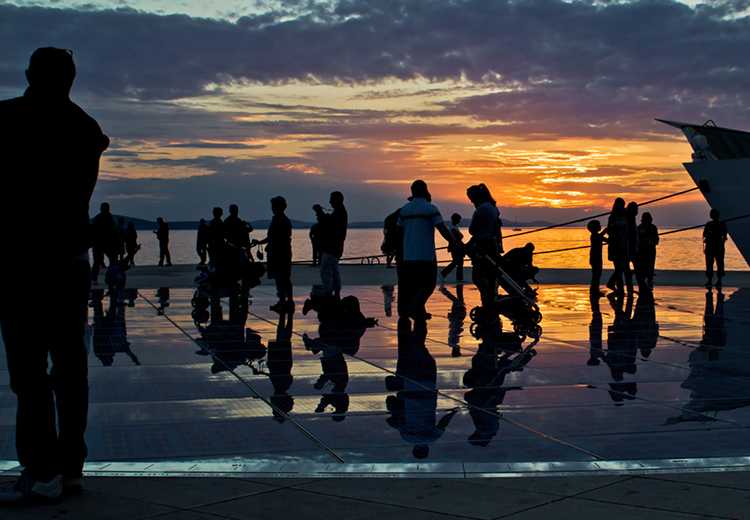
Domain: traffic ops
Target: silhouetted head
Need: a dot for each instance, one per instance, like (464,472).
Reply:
(456,219)
(594,226)
(217,212)
(421,451)
(104,208)
(51,72)
(632,209)
(278,205)
(479,194)
(159,220)
(337,199)
(646,218)
(234,210)
(419,190)
(714,214)
(529,247)
(202,222)
(487,194)
(619,205)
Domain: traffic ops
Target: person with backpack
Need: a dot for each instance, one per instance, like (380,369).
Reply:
(417,272)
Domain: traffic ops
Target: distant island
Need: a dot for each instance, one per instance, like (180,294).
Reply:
(142,224)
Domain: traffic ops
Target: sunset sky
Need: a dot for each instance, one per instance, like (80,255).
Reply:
(551,103)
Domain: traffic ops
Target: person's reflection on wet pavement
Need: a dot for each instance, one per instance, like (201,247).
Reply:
(499,354)
(341,328)
(279,363)
(387,300)
(109,334)
(414,407)
(622,349)
(644,324)
(456,318)
(714,329)
(226,340)
(596,351)
(718,377)
(162,296)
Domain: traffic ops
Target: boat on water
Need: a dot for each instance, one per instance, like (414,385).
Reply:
(721,169)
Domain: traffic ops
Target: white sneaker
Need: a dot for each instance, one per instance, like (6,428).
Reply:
(26,489)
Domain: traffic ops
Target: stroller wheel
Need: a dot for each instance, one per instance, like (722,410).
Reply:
(475,314)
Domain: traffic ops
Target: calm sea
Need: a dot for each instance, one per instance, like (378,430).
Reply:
(677,251)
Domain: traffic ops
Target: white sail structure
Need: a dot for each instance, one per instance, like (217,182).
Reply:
(721,169)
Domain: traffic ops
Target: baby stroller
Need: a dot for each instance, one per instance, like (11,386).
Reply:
(233,267)
(519,306)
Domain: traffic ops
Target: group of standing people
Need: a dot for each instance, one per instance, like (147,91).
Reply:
(631,247)
(116,240)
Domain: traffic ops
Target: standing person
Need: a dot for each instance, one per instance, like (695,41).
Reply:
(596,239)
(162,235)
(714,237)
(121,230)
(631,214)
(648,239)
(617,244)
(417,273)
(215,236)
(315,243)
(103,239)
(131,243)
(485,243)
(50,150)
(201,241)
(236,231)
(457,254)
(332,237)
(279,251)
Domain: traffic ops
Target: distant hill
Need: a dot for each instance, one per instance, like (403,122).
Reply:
(142,224)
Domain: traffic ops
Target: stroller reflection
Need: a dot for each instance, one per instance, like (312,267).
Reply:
(499,354)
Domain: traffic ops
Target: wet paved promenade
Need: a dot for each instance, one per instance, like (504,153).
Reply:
(639,382)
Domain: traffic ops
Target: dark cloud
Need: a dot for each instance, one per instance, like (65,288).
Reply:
(213,145)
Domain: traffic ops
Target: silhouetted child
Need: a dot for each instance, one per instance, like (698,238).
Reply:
(595,253)
(648,238)
(457,253)
(714,236)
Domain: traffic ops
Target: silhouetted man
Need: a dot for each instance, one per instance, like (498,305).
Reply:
(215,236)
(714,237)
(50,150)
(332,237)
(236,231)
(104,239)
(162,235)
(417,274)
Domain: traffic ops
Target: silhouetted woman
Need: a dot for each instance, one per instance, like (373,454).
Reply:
(617,246)
(631,213)
(486,241)
(279,253)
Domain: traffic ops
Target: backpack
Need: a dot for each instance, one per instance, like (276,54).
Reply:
(393,239)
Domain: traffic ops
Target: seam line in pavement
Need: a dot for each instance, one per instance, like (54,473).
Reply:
(301,428)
